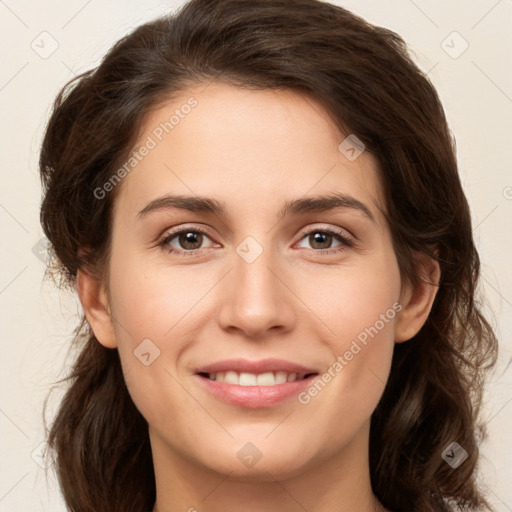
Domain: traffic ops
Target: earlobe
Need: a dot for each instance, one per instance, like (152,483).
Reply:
(417,300)
(93,297)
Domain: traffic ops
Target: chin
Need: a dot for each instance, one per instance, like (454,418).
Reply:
(258,462)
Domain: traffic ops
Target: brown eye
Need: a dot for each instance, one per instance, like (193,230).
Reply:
(190,239)
(321,240)
(184,241)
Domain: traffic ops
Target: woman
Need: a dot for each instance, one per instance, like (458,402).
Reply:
(319,350)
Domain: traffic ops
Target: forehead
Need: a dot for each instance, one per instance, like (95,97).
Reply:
(242,146)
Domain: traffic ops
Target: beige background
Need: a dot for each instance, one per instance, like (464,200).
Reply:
(36,320)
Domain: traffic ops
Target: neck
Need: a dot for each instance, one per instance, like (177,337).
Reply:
(334,482)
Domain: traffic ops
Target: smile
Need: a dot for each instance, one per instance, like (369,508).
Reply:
(252,379)
(254,396)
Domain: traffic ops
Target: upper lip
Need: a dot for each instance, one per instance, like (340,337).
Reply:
(256,367)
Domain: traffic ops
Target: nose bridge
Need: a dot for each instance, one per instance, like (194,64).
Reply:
(257,299)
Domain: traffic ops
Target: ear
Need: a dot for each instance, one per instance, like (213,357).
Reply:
(93,297)
(417,299)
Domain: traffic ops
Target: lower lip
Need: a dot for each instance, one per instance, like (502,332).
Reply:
(255,396)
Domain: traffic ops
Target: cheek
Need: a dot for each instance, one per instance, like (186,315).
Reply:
(152,301)
(360,306)
(146,309)
(149,348)
(350,299)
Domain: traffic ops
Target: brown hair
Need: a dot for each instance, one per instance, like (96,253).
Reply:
(368,83)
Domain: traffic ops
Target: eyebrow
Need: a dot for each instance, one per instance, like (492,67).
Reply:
(298,206)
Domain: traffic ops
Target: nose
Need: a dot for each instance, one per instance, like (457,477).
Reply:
(257,297)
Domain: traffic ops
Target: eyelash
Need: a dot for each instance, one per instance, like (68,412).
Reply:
(339,235)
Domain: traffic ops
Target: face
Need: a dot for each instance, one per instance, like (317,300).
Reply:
(252,319)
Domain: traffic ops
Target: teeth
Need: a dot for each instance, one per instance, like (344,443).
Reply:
(251,379)
(281,377)
(266,379)
(247,379)
(229,377)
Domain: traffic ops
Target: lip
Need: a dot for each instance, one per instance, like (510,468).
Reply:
(256,367)
(254,396)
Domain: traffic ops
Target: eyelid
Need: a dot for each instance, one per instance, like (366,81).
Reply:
(329,228)
(178,229)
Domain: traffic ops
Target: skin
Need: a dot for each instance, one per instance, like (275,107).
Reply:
(254,150)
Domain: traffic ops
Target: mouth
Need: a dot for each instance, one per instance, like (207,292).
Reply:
(253,379)
(254,384)
(253,391)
